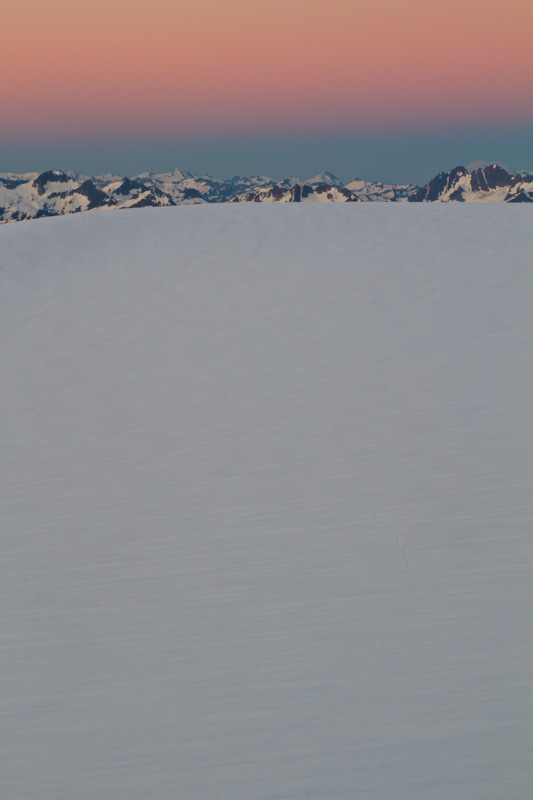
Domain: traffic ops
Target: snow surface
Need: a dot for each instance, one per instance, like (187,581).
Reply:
(266,505)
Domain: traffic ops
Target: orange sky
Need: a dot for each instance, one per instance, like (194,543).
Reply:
(194,66)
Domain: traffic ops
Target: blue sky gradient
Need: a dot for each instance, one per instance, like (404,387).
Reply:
(394,157)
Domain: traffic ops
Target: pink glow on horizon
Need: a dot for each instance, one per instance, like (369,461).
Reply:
(222,66)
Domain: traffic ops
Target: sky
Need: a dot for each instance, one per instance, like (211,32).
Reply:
(392,90)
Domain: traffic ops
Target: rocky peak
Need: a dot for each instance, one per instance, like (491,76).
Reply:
(96,197)
(459,185)
(128,186)
(51,176)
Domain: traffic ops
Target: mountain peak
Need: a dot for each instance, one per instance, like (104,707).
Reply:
(324,178)
(55,192)
(491,183)
(51,176)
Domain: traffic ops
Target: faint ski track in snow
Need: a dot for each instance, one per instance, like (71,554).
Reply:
(398,542)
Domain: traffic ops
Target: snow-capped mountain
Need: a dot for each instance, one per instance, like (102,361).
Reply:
(487,184)
(181,185)
(48,194)
(374,191)
(53,193)
(326,178)
(299,193)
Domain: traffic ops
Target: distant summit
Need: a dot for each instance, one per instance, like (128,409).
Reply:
(324,178)
(491,183)
(54,192)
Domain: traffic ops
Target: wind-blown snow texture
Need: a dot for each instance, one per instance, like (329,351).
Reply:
(266,512)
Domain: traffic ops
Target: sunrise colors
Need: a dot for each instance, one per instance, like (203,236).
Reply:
(237,85)
(231,65)
(267,365)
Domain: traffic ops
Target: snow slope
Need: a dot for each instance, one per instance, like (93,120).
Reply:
(266,505)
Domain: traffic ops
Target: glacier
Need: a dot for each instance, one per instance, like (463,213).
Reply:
(266,505)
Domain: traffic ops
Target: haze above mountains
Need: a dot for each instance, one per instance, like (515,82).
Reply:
(52,193)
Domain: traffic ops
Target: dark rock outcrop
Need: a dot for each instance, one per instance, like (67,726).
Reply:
(95,196)
(52,176)
(192,194)
(128,186)
(452,186)
(521,197)
(152,197)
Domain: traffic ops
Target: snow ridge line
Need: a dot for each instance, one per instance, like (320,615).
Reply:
(398,542)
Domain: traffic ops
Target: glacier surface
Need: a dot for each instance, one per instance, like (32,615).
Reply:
(266,507)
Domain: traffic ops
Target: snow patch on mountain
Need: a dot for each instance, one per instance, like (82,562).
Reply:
(372,192)
(55,193)
(324,178)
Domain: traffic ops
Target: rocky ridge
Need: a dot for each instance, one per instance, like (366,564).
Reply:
(488,184)
(52,193)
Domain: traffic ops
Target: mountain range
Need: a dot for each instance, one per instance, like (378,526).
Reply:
(52,193)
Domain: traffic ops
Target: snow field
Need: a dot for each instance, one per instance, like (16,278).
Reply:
(266,503)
